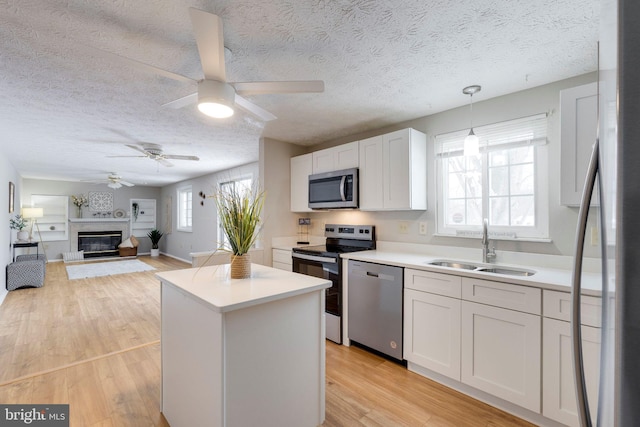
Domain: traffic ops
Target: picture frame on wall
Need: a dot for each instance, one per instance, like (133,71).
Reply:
(12,197)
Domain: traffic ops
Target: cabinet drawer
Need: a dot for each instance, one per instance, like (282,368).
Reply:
(435,283)
(282,256)
(505,295)
(282,266)
(557,305)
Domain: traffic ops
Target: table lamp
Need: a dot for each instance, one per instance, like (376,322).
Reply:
(32,214)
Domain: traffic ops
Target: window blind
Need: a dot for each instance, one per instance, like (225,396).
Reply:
(531,130)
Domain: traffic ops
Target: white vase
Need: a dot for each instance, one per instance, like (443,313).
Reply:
(155,252)
(23,236)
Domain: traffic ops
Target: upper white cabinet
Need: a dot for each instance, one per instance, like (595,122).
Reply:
(301,168)
(578,122)
(393,171)
(343,156)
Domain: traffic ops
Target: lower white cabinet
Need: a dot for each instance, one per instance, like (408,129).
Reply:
(559,395)
(281,258)
(432,332)
(501,353)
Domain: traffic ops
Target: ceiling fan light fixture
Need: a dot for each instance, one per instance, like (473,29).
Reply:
(114,185)
(216,99)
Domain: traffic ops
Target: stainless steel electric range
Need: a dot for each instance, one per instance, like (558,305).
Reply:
(323,261)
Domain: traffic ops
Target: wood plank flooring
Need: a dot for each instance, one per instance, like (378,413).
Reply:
(94,344)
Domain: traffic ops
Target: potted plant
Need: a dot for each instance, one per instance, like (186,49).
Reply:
(155,235)
(239,212)
(19,223)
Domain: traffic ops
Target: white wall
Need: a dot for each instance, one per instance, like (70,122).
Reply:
(562,219)
(275,176)
(121,198)
(7,174)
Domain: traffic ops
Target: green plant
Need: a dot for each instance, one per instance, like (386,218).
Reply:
(17,223)
(239,212)
(155,235)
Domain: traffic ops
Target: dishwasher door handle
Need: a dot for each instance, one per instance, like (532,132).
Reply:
(372,274)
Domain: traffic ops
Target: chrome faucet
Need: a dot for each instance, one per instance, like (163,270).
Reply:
(488,255)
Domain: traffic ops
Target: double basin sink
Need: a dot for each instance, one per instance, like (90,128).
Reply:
(507,271)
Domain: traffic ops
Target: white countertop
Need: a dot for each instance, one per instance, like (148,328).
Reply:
(544,278)
(288,243)
(213,285)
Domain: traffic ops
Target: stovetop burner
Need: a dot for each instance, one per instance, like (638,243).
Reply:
(342,239)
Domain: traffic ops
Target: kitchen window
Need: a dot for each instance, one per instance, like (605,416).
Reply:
(506,183)
(238,185)
(185,208)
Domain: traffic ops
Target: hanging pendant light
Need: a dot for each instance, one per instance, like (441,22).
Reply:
(471,142)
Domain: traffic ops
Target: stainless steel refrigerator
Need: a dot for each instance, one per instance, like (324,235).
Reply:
(617,164)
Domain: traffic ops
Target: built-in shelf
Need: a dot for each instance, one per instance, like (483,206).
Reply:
(98,219)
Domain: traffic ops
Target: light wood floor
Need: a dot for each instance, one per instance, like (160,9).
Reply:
(94,344)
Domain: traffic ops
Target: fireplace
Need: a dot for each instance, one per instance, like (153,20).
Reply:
(99,243)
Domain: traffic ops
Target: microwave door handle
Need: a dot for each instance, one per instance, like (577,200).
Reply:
(342,192)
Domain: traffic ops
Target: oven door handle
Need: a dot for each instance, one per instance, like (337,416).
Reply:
(315,258)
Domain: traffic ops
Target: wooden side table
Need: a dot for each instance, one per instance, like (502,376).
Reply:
(25,245)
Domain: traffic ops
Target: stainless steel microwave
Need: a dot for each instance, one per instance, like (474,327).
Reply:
(334,190)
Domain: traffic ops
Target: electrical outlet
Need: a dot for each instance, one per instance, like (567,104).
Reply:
(422,227)
(595,240)
(403,227)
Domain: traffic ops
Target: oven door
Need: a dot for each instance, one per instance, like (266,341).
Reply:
(327,268)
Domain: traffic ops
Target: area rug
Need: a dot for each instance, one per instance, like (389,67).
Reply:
(108,268)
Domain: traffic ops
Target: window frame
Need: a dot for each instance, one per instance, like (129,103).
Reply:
(540,230)
(180,209)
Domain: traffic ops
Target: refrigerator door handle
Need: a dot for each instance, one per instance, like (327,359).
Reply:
(581,394)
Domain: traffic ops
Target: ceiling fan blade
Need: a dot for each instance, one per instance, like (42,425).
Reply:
(128,184)
(140,65)
(179,157)
(182,102)
(164,162)
(135,147)
(130,157)
(254,109)
(261,88)
(209,38)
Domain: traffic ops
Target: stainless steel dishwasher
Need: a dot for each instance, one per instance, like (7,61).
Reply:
(375,307)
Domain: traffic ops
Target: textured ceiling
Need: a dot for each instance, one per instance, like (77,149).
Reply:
(64,108)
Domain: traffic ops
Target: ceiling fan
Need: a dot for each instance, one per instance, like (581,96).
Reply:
(114,181)
(155,152)
(215,96)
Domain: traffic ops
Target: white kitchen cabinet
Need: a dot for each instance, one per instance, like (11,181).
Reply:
(578,131)
(301,168)
(281,259)
(432,332)
(340,157)
(559,395)
(501,353)
(393,171)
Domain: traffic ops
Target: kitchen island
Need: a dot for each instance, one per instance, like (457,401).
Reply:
(242,352)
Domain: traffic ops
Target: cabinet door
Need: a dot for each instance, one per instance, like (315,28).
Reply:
(578,131)
(501,353)
(396,170)
(371,176)
(301,167)
(281,259)
(345,156)
(404,170)
(340,157)
(432,332)
(559,394)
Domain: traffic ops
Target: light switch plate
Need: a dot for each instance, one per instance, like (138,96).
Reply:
(422,227)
